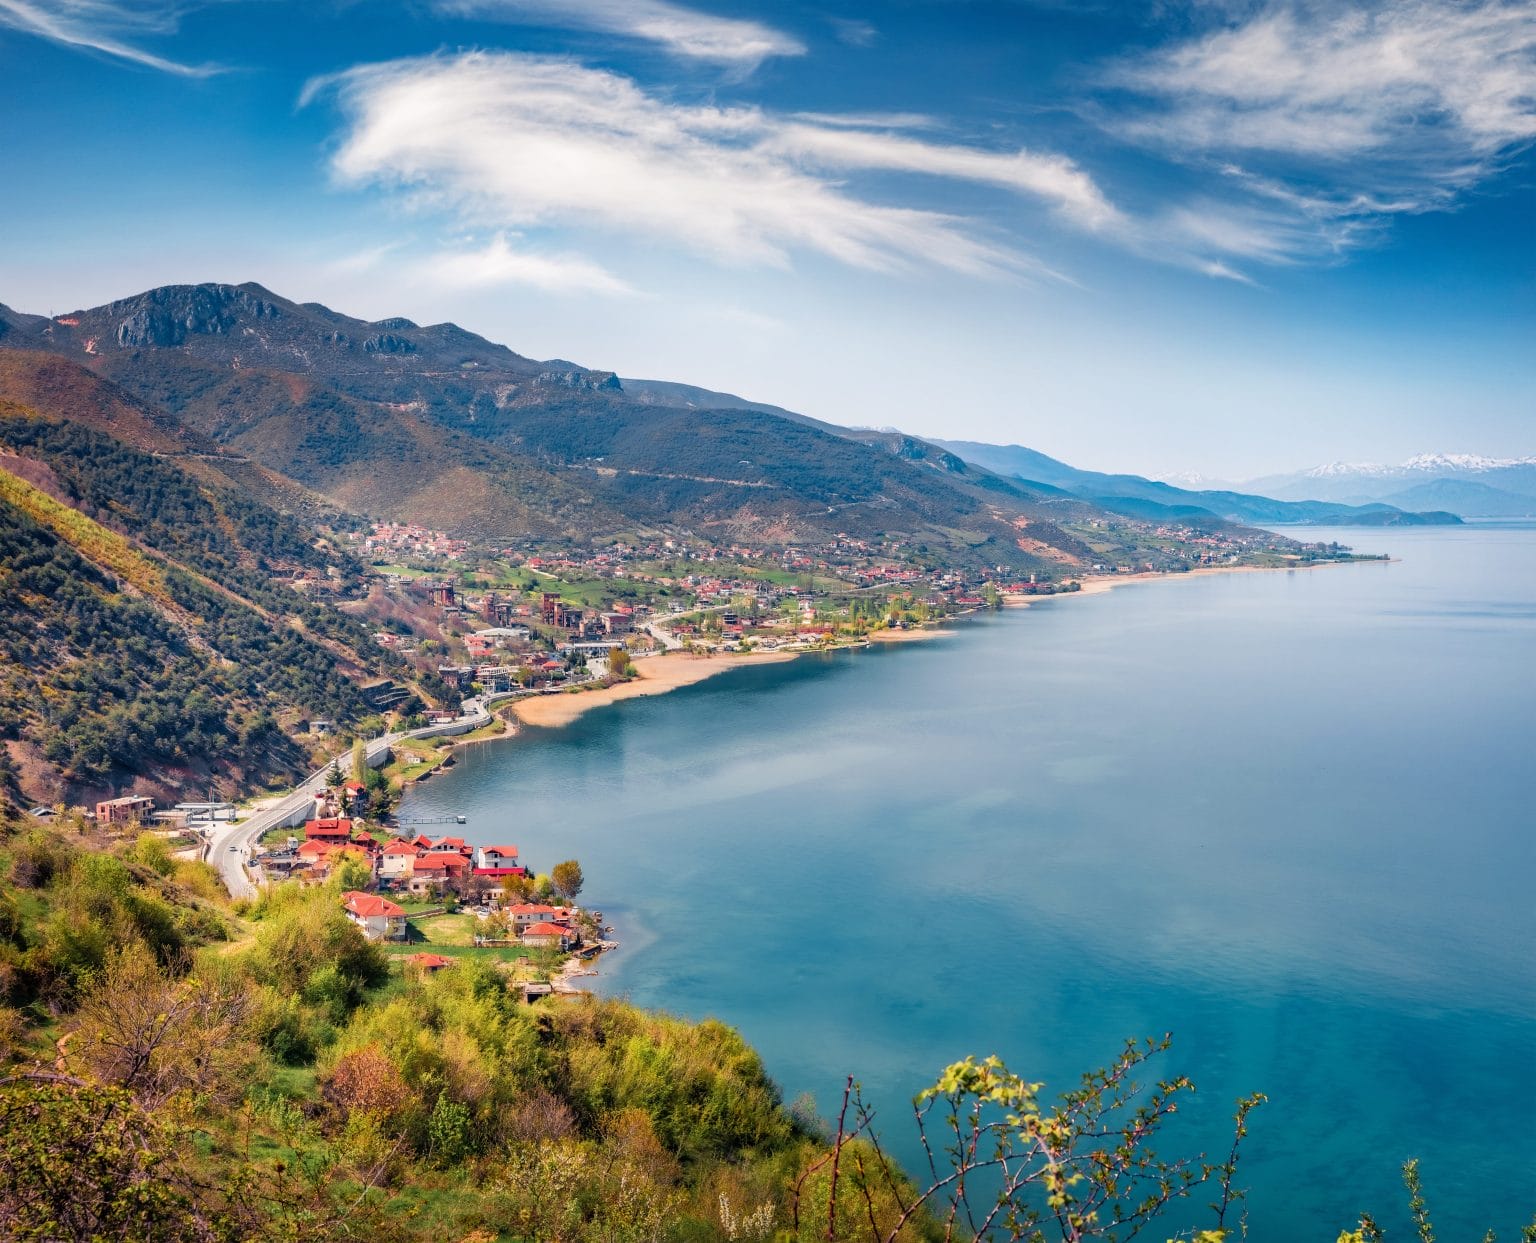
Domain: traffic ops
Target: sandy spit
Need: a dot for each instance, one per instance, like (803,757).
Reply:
(1098,586)
(906,636)
(657,676)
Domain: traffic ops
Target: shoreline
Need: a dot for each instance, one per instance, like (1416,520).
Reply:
(1103,583)
(657,675)
(665,671)
(661,673)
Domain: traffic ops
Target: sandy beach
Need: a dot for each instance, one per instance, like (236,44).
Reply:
(906,636)
(666,672)
(657,676)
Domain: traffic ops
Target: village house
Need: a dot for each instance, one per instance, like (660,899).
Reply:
(427,964)
(545,934)
(494,680)
(125,810)
(316,858)
(328,830)
(379,918)
(497,861)
(397,861)
(441,869)
(523,915)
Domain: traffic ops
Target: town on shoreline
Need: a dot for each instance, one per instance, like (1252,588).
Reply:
(540,642)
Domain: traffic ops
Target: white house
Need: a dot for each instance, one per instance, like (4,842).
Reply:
(496,857)
(379,918)
(396,861)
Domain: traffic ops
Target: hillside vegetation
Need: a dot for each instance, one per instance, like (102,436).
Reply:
(144,627)
(172,1067)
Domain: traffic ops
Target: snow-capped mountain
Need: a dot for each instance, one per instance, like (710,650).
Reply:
(1470,484)
(1419,464)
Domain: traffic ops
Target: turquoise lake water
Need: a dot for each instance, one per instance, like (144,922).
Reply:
(1287,817)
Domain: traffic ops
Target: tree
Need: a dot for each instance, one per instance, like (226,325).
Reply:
(1003,1165)
(360,766)
(155,1036)
(567,879)
(619,663)
(81,1162)
(515,889)
(334,778)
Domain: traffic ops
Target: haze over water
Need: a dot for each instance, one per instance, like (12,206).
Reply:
(1286,817)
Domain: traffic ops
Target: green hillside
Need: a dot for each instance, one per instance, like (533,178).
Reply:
(146,634)
(174,1067)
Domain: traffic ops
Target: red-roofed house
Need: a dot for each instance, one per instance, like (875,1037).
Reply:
(428,963)
(545,934)
(397,861)
(438,867)
(526,914)
(339,830)
(379,918)
(497,858)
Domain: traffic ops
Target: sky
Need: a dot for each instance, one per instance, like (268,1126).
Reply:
(1211,237)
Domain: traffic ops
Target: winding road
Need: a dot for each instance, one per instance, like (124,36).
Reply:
(231,846)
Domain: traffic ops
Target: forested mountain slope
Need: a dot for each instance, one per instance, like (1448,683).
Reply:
(147,634)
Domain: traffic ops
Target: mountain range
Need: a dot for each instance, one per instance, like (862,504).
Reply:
(434,424)
(1470,484)
(1136,496)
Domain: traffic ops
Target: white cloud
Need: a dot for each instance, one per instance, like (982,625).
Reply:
(511,142)
(854,32)
(1438,87)
(681,31)
(1323,121)
(101,26)
(1051,178)
(498,264)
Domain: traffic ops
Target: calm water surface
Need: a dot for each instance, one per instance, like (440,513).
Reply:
(1286,817)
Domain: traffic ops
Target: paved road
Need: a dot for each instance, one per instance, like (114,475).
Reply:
(656,627)
(231,845)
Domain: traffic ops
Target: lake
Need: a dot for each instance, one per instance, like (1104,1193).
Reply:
(1286,817)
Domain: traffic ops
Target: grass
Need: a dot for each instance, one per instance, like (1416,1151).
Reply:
(427,758)
(498,729)
(414,906)
(92,540)
(439,930)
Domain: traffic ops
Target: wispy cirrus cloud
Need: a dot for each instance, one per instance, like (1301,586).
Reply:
(1398,103)
(112,29)
(510,142)
(683,32)
(1325,120)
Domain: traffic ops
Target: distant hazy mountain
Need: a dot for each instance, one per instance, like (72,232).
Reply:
(1464,496)
(1490,483)
(1147,498)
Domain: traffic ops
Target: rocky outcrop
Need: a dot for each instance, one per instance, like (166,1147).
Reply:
(581,381)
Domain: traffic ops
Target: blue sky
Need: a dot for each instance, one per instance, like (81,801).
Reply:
(1223,237)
